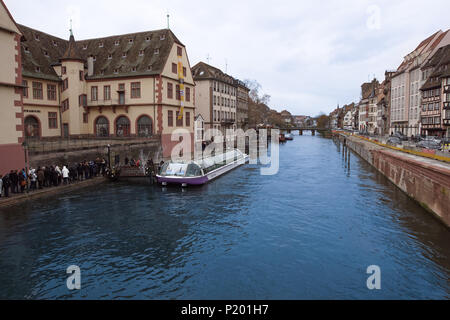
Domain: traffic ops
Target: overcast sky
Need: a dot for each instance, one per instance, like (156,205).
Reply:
(308,55)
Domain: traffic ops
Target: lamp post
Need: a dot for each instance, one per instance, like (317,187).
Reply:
(25,149)
(109,156)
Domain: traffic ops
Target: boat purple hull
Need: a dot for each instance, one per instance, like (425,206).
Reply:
(194,181)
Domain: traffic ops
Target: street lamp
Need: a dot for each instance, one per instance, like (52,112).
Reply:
(109,156)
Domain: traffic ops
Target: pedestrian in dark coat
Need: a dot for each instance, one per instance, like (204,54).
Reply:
(6,185)
(40,177)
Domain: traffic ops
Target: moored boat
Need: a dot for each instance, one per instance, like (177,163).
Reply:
(202,171)
(289,136)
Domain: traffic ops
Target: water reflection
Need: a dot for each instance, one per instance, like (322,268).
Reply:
(308,232)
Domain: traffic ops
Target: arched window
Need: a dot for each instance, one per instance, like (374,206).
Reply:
(144,126)
(32,129)
(102,127)
(122,126)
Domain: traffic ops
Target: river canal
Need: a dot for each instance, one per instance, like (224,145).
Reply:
(309,232)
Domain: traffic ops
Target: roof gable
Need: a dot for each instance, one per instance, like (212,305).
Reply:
(6,20)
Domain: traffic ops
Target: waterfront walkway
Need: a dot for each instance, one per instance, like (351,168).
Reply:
(16,198)
(406,154)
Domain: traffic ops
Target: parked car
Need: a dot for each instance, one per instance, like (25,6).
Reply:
(394,140)
(401,136)
(430,144)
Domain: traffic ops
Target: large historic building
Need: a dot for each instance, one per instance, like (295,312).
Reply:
(216,98)
(120,86)
(12,155)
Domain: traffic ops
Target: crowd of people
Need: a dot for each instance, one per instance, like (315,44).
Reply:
(21,181)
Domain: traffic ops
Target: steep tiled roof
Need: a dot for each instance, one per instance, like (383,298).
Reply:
(72,51)
(135,54)
(425,42)
(40,50)
(204,71)
(441,64)
(143,53)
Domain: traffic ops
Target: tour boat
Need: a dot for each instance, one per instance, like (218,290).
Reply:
(289,136)
(202,171)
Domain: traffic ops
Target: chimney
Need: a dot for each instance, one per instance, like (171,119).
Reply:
(90,62)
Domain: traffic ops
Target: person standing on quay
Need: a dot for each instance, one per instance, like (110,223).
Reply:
(65,175)
(40,177)
(6,185)
(13,178)
(22,182)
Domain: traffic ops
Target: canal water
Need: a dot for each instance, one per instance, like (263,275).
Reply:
(309,232)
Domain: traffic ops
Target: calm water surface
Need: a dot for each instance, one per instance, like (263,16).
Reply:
(309,232)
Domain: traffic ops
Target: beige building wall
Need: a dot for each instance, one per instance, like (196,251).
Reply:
(40,108)
(203,101)
(11,113)
(7,57)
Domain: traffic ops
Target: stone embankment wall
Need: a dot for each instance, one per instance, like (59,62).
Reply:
(425,180)
(43,153)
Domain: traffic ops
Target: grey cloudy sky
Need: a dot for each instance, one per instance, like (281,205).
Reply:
(308,55)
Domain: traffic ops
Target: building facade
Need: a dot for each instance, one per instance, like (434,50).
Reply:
(406,84)
(242,105)
(435,114)
(216,98)
(12,153)
(120,86)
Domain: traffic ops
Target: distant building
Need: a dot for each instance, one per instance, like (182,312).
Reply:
(368,109)
(216,98)
(242,100)
(384,105)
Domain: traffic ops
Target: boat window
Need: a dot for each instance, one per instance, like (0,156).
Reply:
(193,170)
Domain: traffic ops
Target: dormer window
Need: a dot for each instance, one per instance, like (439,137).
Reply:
(116,71)
(130,40)
(100,45)
(109,56)
(95,58)
(149,68)
(38,69)
(133,69)
(141,53)
(156,51)
(84,46)
(27,50)
(55,43)
(162,37)
(124,55)
(46,53)
(116,43)
(36,36)
(147,39)
(102,72)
